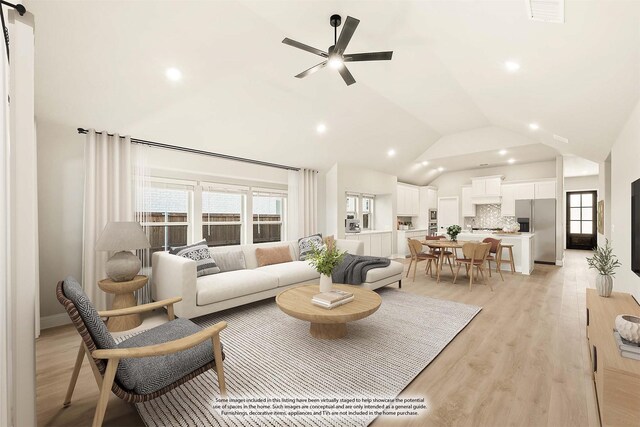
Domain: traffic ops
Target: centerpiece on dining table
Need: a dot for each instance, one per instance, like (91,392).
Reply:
(453,231)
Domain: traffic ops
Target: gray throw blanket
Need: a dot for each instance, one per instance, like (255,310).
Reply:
(354,268)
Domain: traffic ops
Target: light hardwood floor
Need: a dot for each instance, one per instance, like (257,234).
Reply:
(523,361)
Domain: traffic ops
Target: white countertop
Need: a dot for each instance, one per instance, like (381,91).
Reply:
(416,229)
(368,232)
(501,235)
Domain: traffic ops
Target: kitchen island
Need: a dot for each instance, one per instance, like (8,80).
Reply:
(523,248)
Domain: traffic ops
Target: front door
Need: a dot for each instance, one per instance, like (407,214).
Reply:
(581,220)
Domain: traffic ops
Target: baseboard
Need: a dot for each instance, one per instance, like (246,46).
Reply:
(54,320)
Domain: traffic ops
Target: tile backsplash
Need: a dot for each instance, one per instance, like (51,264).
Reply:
(489,216)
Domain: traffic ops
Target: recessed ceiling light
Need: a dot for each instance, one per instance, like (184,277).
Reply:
(440,169)
(502,152)
(321,128)
(391,153)
(512,66)
(173,74)
(511,161)
(534,126)
(335,63)
(425,163)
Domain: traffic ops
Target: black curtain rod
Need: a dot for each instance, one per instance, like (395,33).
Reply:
(202,152)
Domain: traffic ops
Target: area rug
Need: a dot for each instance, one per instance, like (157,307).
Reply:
(278,375)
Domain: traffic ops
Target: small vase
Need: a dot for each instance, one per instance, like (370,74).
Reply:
(628,327)
(454,237)
(325,283)
(604,285)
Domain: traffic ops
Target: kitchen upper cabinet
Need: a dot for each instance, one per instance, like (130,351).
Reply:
(545,190)
(486,186)
(524,191)
(428,199)
(468,207)
(408,200)
(508,206)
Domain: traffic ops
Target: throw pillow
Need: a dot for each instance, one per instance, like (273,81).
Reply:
(273,255)
(199,252)
(230,261)
(306,245)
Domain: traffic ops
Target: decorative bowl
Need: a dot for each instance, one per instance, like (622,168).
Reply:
(628,327)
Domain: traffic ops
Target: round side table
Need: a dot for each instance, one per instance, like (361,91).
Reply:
(123,298)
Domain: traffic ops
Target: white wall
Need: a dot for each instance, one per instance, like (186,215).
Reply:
(60,198)
(604,193)
(625,158)
(580,183)
(342,178)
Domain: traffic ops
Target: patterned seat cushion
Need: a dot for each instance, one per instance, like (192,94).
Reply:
(149,374)
(94,324)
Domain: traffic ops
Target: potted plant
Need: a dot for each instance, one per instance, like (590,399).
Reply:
(605,262)
(324,259)
(453,231)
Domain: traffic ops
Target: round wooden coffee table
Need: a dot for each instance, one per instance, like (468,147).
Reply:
(325,323)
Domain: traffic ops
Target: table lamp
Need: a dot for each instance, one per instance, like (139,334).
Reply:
(122,237)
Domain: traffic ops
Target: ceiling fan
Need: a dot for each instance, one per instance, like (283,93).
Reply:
(335,56)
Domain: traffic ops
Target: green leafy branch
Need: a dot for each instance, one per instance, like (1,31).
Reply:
(325,259)
(604,260)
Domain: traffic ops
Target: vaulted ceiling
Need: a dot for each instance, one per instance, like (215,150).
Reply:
(102,64)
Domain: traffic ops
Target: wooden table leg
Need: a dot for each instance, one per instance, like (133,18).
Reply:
(440,261)
(328,331)
(124,323)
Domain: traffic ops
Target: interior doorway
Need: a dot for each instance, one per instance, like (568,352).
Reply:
(581,220)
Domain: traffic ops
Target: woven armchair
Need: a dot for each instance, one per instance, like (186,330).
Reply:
(146,365)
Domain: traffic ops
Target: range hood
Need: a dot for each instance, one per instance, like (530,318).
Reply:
(486,200)
(486,190)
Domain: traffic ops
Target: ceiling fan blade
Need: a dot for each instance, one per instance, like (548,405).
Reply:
(312,70)
(305,47)
(345,35)
(369,56)
(346,75)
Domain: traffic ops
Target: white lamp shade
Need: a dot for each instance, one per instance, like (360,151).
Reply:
(122,236)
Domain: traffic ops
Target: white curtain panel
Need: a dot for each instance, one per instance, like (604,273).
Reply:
(303,203)
(108,196)
(142,183)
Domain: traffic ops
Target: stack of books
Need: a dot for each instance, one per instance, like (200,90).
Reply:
(332,298)
(627,348)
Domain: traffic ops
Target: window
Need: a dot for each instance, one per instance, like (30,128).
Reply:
(367,212)
(268,217)
(361,207)
(352,206)
(222,218)
(581,213)
(165,212)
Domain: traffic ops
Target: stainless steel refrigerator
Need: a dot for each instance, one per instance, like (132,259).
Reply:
(539,217)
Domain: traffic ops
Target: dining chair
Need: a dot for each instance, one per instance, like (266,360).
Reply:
(474,255)
(144,366)
(494,254)
(449,255)
(415,248)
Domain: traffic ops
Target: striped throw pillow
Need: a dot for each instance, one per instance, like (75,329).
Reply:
(199,252)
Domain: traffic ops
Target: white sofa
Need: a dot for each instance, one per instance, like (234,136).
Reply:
(174,275)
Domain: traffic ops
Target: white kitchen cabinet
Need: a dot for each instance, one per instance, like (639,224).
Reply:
(376,243)
(545,190)
(408,200)
(488,186)
(524,191)
(468,207)
(508,206)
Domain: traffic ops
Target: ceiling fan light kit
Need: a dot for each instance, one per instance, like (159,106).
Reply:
(335,55)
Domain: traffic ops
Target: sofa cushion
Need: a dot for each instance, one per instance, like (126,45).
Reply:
(306,245)
(149,374)
(232,284)
(274,255)
(291,272)
(199,252)
(230,261)
(376,274)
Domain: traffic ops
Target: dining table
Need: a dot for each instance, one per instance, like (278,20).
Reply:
(440,246)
